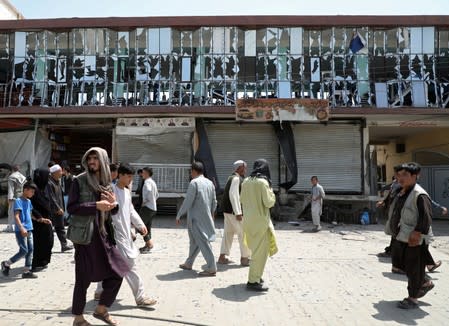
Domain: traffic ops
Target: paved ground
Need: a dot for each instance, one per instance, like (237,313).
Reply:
(327,278)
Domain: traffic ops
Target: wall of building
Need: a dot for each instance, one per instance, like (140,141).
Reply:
(433,145)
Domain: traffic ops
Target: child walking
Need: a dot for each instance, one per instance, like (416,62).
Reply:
(24,231)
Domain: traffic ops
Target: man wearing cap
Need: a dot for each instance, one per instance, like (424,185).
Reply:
(232,211)
(57,205)
(409,223)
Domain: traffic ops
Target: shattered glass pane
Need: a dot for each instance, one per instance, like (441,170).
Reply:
(123,43)
(51,43)
(284,41)
(443,42)
(186,42)
(218,41)
(416,67)
(78,38)
(4,46)
(206,39)
(218,65)
(260,68)
(314,42)
(271,67)
(326,41)
(404,66)
(232,67)
(90,41)
(379,43)
(339,41)
(272,40)
(141,41)
(62,43)
(261,41)
(403,37)
(112,40)
(391,41)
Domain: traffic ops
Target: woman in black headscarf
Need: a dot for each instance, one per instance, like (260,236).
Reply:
(42,228)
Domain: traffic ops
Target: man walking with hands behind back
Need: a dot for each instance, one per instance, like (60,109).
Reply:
(317,203)
(200,204)
(232,210)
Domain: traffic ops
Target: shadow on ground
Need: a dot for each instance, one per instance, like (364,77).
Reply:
(235,292)
(388,311)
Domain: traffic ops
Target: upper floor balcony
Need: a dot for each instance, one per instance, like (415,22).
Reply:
(353,66)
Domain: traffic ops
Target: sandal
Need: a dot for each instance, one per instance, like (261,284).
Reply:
(146,302)
(105,317)
(407,303)
(424,289)
(207,273)
(434,267)
(225,261)
(185,267)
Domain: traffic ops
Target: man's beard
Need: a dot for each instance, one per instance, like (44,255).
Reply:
(92,169)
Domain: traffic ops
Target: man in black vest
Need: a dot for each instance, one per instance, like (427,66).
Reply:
(233,216)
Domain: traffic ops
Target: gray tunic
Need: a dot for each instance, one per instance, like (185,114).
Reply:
(200,203)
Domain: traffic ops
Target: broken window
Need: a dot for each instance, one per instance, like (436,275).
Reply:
(443,42)
(339,41)
(284,41)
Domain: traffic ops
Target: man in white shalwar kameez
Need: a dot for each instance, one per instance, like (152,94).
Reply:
(317,203)
(233,216)
(199,205)
(122,221)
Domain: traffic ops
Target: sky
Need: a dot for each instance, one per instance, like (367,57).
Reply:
(128,8)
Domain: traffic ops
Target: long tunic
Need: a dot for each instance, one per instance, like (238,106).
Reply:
(257,198)
(122,221)
(99,259)
(199,205)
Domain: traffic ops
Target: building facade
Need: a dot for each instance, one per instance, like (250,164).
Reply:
(386,79)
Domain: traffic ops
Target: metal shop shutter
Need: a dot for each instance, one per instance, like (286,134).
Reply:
(332,152)
(167,148)
(248,142)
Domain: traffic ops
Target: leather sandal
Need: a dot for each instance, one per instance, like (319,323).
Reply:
(207,273)
(105,317)
(185,267)
(81,323)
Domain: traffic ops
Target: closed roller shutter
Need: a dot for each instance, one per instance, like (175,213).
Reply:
(231,141)
(166,148)
(332,152)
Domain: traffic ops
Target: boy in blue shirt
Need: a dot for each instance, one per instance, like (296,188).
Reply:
(24,231)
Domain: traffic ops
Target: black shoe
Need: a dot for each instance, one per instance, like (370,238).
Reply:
(145,250)
(5,269)
(256,287)
(66,248)
(383,254)
(29,274)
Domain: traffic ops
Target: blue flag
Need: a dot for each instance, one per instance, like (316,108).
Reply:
(356,44)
